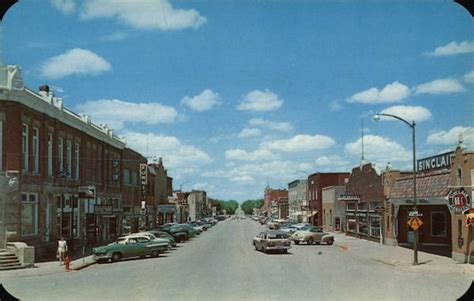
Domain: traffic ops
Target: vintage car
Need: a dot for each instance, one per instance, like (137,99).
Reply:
(178,234)
(312,235)
(164,235)
(129,246)
(153,237)
(272,241)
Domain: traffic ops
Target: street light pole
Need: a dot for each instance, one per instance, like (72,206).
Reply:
(412,125)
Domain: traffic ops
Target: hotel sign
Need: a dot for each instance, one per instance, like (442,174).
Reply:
(435,162)
(459,201)
(143,180)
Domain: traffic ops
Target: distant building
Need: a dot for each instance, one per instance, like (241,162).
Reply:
(271,199)
(333,209)
(297,200)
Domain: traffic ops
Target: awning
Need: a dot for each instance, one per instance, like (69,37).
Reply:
(311,214)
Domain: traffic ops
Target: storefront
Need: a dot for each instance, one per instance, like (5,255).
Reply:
(363,199)
(432,185)
(167,214)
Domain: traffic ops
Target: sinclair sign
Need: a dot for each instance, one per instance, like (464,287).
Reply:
(435,162)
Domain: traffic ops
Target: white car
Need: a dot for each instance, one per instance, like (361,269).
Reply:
(313,235)
(153,238)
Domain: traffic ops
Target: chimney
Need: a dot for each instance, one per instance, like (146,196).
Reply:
(44,88)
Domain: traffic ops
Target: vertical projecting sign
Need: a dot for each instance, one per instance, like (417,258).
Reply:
(143,183)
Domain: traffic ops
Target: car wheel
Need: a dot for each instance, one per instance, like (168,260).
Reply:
(155,253)
(330,242)
(297,242)
(310,241)
(284,251)
(116,257)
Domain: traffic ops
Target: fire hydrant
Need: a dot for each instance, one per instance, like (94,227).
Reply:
(67,262)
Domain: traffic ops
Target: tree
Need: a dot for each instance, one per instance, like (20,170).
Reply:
(249,205)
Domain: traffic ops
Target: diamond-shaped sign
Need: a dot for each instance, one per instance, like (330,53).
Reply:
(415,222)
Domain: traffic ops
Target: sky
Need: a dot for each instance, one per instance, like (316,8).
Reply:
(235,95)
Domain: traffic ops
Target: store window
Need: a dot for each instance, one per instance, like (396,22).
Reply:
(363,227)
(29,214)
(351,225)
(350,206)
(438,224)
(375,226)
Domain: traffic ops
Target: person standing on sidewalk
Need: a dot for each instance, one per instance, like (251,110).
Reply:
(62,249)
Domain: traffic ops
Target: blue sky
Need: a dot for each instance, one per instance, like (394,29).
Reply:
(235,94)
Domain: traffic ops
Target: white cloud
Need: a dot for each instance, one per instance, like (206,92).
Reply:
(175,154)
(116,36)
(278,126)
(331,161)
(202,102)
(248,132)
(115,112)
(245,179)
(335,106)
(451,137)
(440,86)
(469,77)
(75,61)
(144,14)
(394,92)
(454,48)
(64,6)
(300,143)
(243,155)
(260,101)
(409,113)
(378,150)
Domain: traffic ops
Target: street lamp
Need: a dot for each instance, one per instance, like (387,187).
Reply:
(181,185)
(415,208)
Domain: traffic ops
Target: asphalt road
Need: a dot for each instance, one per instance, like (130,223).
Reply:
(222,264)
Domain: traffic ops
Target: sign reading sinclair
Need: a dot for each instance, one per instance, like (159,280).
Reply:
(435,162)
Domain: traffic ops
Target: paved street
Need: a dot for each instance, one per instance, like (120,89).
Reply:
(222,264)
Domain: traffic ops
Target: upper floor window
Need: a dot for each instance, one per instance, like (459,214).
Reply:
(1,145)
(61,154)
(69,158)
(459,177)
(35,150)
(50,154)
(134,178)
(126,176)
(76,161)
(24,147)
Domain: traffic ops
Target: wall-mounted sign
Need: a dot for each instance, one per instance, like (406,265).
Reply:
(143,181)
(435,162)
(103,209)
(459,201)
(349,197)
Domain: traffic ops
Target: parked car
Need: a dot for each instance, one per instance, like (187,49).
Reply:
(288,228)
(153,237)
(197,226)
(272,224)
(129,246)
(190,230)
(272,241)
(302,226)
(164,235)
(178,234)
(313,235)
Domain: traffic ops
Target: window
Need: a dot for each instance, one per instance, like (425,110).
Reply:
(29,214)
(76,226)
(35,151)
(126,176)
(24,147)
(69,158)
(438,224)
(50,154)
(61,154)
(76,161)
(134,178)
(459,177)
(1,145)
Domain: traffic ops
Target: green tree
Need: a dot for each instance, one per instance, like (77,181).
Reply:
(249,205)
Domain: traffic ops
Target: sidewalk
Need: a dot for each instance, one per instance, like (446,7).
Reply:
(49,268)
(399,257)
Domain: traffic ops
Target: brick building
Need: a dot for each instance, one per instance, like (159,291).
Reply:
(271,200)
(55,153)
(316,182)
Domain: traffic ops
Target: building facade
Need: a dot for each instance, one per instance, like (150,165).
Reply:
(333,210)
(297,200)
(364,198)
(316,183)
